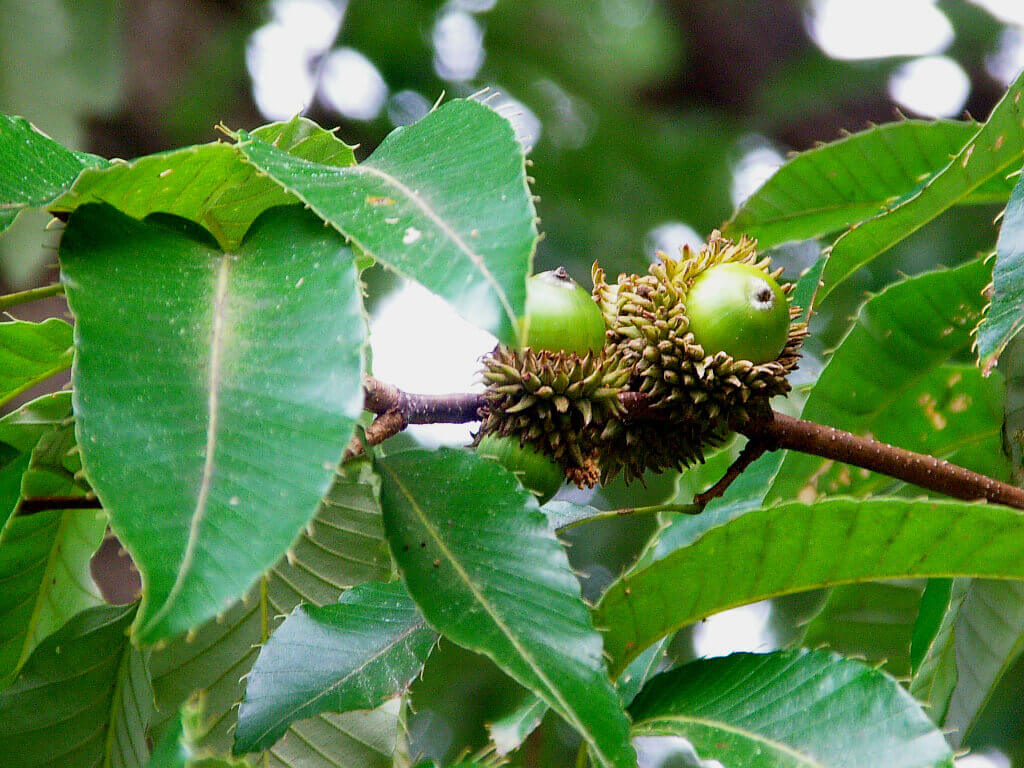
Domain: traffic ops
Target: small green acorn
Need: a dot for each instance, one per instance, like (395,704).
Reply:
(538,473)
(561,316)
(708,338)
(738,309)
(555,394)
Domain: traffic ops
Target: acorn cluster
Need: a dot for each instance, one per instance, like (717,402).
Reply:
(702,342)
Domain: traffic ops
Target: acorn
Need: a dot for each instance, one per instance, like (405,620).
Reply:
(738,309)
(560,315)
(538,473)
(558,393)
(708,339)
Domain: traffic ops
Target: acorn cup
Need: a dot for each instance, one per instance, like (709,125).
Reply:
(556,395)
(557,402)
(707,340)
(705,371)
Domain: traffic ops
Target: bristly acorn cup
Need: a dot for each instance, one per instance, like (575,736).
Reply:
(707,339)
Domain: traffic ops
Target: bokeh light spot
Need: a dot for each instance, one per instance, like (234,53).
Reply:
(458,46)
(351,85)
(933,86)
(871,29)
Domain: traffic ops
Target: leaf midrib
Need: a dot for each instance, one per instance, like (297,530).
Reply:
(718,725)
(567,711)
(212,422)
(348,676)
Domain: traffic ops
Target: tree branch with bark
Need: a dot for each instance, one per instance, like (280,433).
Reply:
(396,409)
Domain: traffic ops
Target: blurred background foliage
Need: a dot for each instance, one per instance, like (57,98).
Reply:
(646,122)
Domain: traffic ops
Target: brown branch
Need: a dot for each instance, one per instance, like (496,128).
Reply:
(751,452)
(457,408)
(779,431)
(918,469)
(396,409)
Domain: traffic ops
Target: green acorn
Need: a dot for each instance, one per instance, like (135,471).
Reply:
(558,393)
(560,315)
(535,471)
(738,309)
(697,395)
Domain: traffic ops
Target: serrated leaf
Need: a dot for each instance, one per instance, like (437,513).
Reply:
(44,565)
(509,731)
(443,202)
(979,638)
(214,394)
(1004,319)
(82,700)
(905,396)
(301,137)
(853,540)
(21,429)
(639,671)
(34,169)
(356,654)
(873,621)
(31,353)
(209,184)
(996,149)
(343,546)
(483,565)
(792,709)
(181,746)
(44,557)
(846,181)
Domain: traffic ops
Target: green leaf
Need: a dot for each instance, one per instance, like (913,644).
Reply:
(214,394)
(996,149)
(83,698)
(935,677)
(305,139)
(980,637)
(34,169)
(181,746)
(1004,317)
(485,568)
(22,429)
(443,202)
(905,396)
(31,353)
(355,654)
(44,557)
(1011,366)
(850,180)
(852,541)
(342,546)
(806,709)
(930,615)
(639,671)
(874,621)
(209,184)
(509,731)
